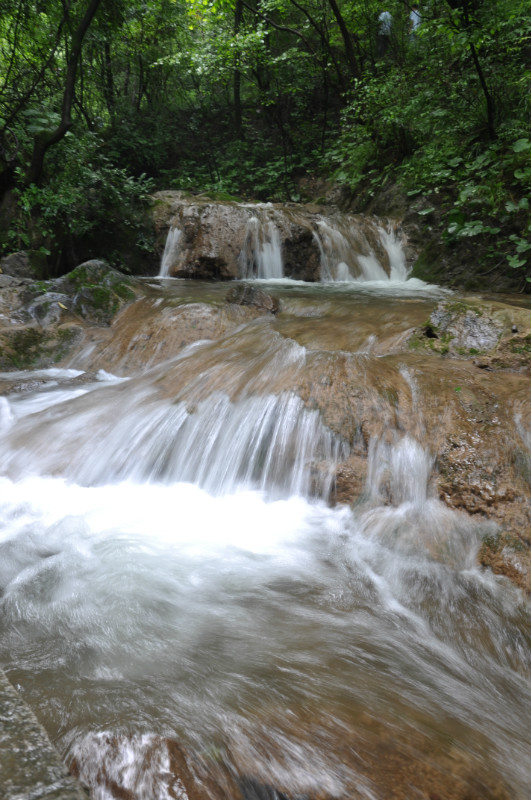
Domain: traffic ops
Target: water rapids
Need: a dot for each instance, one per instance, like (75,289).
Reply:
(174,580)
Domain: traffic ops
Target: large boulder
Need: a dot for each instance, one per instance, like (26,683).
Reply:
(209,240)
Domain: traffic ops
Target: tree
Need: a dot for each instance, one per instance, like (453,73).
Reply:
(73,44)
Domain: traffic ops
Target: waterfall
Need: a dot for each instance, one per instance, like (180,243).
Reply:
(171,251)
(251,241)
(399,471)
(261,255)
(395,253)
(349,251)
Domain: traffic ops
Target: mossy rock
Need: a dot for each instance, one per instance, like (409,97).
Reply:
(96,291)
(470,327)
(34,347)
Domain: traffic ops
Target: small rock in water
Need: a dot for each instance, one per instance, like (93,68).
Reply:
(246,295)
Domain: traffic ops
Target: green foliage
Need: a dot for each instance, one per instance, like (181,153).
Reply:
(244,100)
(83,192)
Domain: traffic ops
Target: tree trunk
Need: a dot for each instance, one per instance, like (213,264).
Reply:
(237,78)
(347,40)
(46,139)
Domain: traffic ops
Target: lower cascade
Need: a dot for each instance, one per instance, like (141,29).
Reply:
(237,559)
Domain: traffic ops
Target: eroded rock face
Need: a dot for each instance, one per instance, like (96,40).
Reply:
(203,239)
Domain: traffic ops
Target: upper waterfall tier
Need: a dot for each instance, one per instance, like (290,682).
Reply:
(207,239)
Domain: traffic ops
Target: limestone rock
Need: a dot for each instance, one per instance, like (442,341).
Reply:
(497,335)
(216,238)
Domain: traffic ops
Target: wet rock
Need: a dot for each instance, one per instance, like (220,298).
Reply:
(17,265)
(40,322)
(252,789)
(247,295)
(506,554)
(145,334)
(466,328)
(336,760)
(97,291)
(135,767)
(206,268)
(302,260)
(21,348)
(221,241)
(29,765)
(50,308)
(8,280)
(495,335)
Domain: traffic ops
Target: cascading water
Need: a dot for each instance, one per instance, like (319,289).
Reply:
(261,255)
(349,252)
(192,617)
(255,238)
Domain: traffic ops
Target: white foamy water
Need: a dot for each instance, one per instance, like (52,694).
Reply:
(261,255)
(172,610)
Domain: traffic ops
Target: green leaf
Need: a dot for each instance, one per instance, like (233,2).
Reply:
(515,262)
(425,211)
(521,145)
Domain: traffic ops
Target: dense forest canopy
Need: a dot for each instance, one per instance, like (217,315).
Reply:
(103,101)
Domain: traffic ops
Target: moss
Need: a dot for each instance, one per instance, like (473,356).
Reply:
(23,348)
(65,337)
(520,345)
(222,197)
(389,394)
(495,543)
(416,343)
(462,307)
(98,290)
(430,341)
(34,347)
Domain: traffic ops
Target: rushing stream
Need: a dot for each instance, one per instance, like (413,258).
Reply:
(175,580)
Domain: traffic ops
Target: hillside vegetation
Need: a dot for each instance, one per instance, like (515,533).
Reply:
(102,103)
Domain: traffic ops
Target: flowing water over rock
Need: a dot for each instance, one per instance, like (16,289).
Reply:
(227,569)
(208,239)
